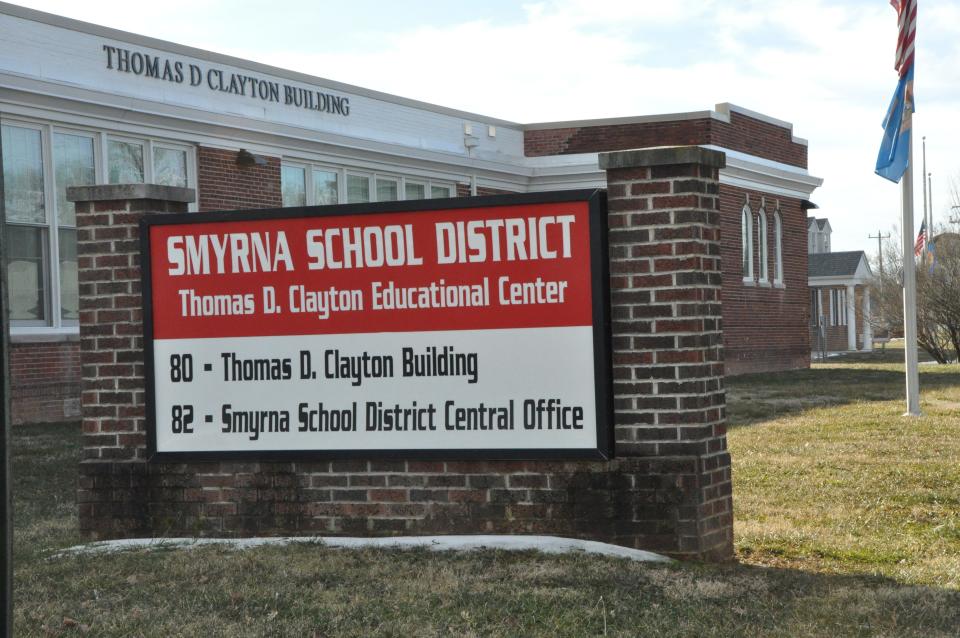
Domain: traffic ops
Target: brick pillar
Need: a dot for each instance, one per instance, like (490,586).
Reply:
(664,225)
(111,347)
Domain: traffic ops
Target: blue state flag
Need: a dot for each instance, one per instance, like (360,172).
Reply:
(895,148)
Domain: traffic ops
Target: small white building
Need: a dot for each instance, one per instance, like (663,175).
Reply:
(839,285)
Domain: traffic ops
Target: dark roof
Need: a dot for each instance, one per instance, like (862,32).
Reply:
(843,264)
(821,222)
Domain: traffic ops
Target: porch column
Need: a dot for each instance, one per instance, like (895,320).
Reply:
(867,326)
(851,318)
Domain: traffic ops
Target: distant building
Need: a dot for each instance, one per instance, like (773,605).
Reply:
(839,293)
(818,235)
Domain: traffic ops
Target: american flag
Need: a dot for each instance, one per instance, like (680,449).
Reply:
(921,240)
(907,22)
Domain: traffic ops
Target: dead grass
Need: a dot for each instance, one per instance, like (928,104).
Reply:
(846,526)
(850,486)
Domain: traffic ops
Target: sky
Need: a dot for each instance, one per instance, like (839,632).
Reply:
(824,65)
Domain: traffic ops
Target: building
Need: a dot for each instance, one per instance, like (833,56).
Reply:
(839,293)
(84,104)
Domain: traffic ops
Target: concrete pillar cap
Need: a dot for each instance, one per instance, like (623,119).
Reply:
(114,192)
(663,156)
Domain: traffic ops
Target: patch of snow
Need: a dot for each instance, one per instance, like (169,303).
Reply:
(545,544)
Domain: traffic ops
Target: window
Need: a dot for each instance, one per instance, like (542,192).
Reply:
(74,164)
(293,186)
(147,161)
(358,188)
(304,184)
(439,192)
(388,189)
(777,248)
(125,162)
(814,306)
(40,162)
(169,166)
(30,226)
(746,236)
(413,190)
(838,307)
(325,187)
(762,246)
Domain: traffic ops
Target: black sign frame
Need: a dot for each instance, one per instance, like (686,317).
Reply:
(596,200)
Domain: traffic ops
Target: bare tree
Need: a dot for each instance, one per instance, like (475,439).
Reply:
(938,296)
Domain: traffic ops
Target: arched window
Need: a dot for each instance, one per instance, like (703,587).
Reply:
(746,236)
(777,248)
(762,246)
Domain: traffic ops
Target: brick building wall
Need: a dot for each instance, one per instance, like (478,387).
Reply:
(44,382)
(765,326)
(742,133)
(225,185)
(668,489)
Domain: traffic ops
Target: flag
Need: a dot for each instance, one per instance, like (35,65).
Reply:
(906,32)
(895,146)
(931,251)
(921,240)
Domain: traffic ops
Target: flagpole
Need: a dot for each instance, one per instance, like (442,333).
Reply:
(909,282)
(924,180)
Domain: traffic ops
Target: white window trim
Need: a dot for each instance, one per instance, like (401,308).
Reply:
(746,243)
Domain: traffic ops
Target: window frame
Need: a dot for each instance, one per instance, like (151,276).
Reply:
(371,185)
(343,173)
(322,168)
(307,181)
(746,243)
(54,326)
(777,248)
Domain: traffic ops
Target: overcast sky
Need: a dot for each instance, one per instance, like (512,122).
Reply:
(824,65)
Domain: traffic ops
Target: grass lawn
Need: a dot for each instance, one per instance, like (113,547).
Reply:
(847,524)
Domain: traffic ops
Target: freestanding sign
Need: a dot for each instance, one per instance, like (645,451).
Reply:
(428,329)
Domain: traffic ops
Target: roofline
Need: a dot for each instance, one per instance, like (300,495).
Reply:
(721,111)
(726,108)
(630,119)
(221,58)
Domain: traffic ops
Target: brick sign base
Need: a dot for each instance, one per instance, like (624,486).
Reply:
(667,490)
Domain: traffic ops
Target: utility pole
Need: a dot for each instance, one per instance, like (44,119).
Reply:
(880,237)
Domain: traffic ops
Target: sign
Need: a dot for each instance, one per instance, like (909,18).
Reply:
(454,328)
(215,79)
